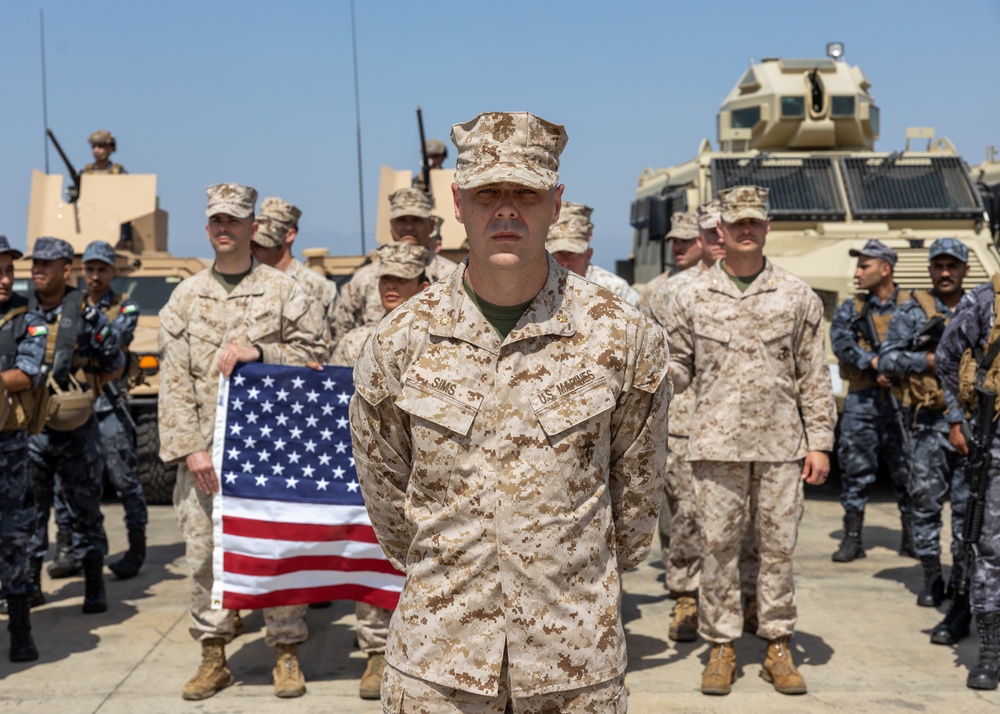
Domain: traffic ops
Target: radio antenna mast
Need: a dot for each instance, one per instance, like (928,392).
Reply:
(45,93)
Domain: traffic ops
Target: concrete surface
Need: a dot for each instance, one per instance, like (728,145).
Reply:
(862,642)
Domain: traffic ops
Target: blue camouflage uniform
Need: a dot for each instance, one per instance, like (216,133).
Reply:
(868,425)
(71,460)
(938,470)
(970,328)
(22,346)
(116,426)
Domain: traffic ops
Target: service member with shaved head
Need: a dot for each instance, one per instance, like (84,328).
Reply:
(508,430)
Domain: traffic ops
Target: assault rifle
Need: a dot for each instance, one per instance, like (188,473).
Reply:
(74,191)
(871,334)
(978,475)
(930,335)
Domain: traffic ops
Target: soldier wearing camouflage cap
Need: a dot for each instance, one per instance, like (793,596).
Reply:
(102,145)
(411,220)
(65,454)
(935,419)
(869,429)
(238,310)
(479,406)
(277,228)
(569,242)
(750,330)
(436,152)
(680,541)
(23,336)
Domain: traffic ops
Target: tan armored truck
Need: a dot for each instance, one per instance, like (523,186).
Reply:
(806,129)
(122,210)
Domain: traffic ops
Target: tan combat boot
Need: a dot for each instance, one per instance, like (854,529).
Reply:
(720,673)
(212,674)
(684,626)
(371,680)
(780,670)
(288,678)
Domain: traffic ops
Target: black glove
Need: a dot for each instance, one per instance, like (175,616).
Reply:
(91,315)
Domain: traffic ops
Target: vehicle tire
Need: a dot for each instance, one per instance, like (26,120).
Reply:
(157,478)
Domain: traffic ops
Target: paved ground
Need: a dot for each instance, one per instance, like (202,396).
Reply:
(862,643)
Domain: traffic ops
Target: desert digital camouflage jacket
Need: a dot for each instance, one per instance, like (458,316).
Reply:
(267,308)
(359,301)
(615,283)
(318,288)
(750,351)
(656,304)
(512,480)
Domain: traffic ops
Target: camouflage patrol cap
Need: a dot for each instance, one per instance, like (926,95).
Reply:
(577,210)
(281,211)
(571,233)
(102,137)
(708,215)
(5,248)
(47,248)
(410,202)
(948,246)
(271,233)
(435,147)
(99,250)
(232,199)
(741,202)
(402,260)
(875,249)
(683,226)
(513,147)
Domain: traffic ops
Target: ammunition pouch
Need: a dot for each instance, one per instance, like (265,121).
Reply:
(68,408)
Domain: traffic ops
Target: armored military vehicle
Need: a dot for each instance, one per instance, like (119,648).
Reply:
(806,129)
(122,210)
(452,232)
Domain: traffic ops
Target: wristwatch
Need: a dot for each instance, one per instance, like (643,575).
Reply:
(260,354)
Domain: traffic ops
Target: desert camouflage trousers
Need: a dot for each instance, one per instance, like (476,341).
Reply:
(285,625)
(17,513)
(404,694)
(373,627)
(734,498)
(679,541)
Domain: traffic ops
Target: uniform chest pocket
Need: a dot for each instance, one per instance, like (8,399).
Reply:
(560,408)
(777,339)
(440,427)
(265,327)
(712,333)
(206,341)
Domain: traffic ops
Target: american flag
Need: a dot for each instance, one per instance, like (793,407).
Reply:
(290,523)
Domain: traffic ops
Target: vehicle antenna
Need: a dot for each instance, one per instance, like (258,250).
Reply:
(357,119)
(45,94)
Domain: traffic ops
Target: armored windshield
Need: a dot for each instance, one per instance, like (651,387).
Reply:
(802,189)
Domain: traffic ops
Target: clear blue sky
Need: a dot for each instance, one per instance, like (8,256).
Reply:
(262,92)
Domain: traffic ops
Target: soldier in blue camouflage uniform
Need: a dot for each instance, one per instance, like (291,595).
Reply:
(22,349)
(938,470)
(974,327)
(62,456)
(868,424)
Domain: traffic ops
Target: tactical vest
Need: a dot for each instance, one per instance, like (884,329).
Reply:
(12,326)
(859,379)
(131,369)
(24,404)
(923,390)
(111,169)
(61,358)
(979,366)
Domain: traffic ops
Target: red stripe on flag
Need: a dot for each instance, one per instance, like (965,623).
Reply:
(302,532)
(304,596)
(249,565)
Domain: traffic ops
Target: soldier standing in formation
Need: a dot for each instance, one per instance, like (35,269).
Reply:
(938,470)
(437,152)
(400,277)
(22,351)
(510,450)
(763,424)
(966,358)
(869,425)
(411,220)
(65,455)
(569,242)
(113,417)
(236,311)
(102,145)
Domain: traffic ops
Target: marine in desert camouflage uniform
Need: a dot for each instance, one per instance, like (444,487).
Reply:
(411,220)
(508,431)
(236,311)
(762,424)
(570,240)
(401,276)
